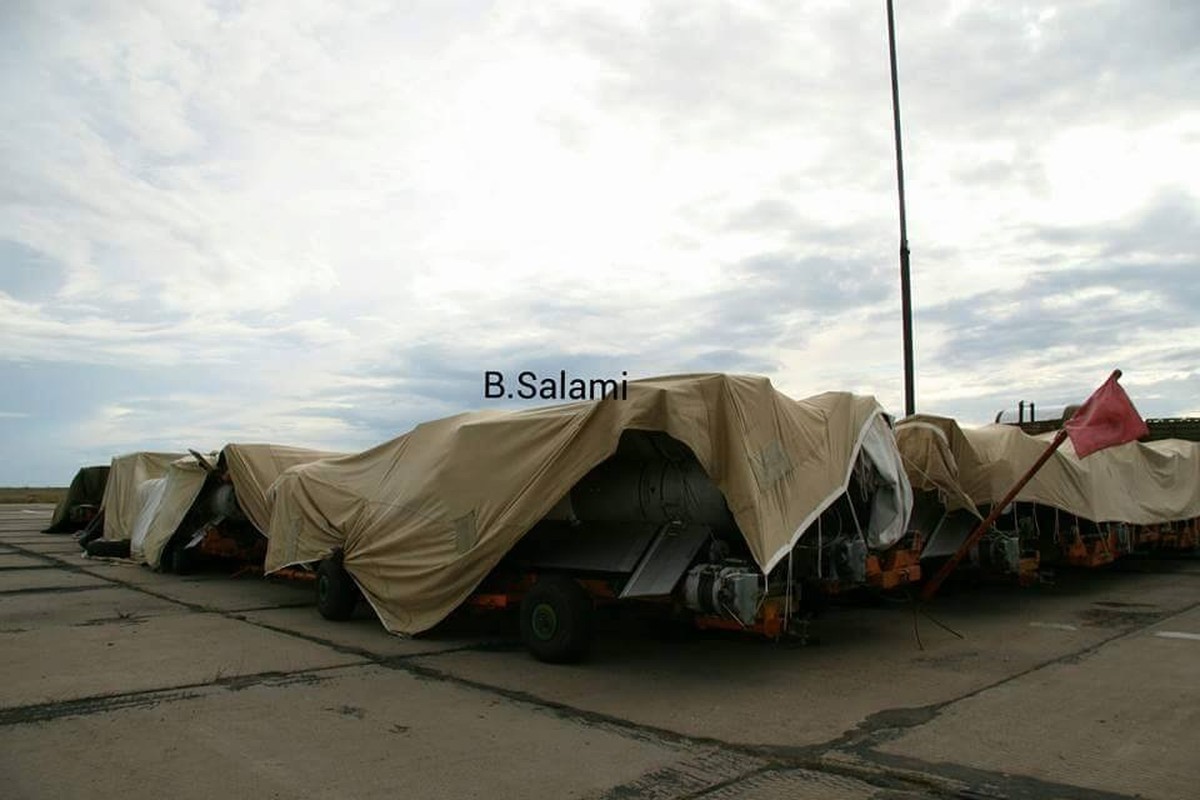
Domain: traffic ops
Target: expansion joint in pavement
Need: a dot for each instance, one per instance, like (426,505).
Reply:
(98,704)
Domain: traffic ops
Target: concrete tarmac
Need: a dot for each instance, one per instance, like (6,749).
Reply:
(118,681)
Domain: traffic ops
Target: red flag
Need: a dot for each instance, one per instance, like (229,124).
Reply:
(1106,419)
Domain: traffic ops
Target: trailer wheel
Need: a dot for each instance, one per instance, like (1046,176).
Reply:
(171,560)
(337,593)
(103,548)
(94,530)
(178,559)
(556,620)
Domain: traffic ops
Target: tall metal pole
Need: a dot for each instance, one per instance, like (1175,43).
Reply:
(910,402)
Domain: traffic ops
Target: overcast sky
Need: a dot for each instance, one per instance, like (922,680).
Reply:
(299,223)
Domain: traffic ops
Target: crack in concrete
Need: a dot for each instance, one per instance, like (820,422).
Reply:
(978,783)
(147,698)
(883,726)
(686,782)
(733,781)
(49,590)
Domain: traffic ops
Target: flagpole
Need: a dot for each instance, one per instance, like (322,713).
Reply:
(910,401)
(931,587)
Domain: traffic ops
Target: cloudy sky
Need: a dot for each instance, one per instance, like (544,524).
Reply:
(318,224)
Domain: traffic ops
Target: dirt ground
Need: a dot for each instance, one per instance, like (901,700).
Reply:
(118,681)
(31,494)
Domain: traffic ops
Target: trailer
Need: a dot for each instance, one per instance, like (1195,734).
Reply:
(81,504)
(225,509)
(1137,498)
(749,537)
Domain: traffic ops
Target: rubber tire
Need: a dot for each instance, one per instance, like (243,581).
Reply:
(179,559)
(337,593)
(93,531)
(102,548)
(166,557)
(556,620)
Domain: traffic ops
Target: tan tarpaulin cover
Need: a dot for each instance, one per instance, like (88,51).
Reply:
(423,518)
(254,467)
(185,479)
(125,475)
(930,453)
(87,488)
(1137,483)
(252,470)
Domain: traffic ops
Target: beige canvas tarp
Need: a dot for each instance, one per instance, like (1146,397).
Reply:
(87,488)
(931,449)
(252,470)
(184,479)
(424,517)
(125,475)
(1138,483)
(254,467)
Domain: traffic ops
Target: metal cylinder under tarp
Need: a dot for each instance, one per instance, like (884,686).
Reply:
(649,491)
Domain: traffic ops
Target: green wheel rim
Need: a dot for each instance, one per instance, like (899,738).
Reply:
(322,588)
(544,621)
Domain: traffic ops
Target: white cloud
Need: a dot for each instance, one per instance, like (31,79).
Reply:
(298,197)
